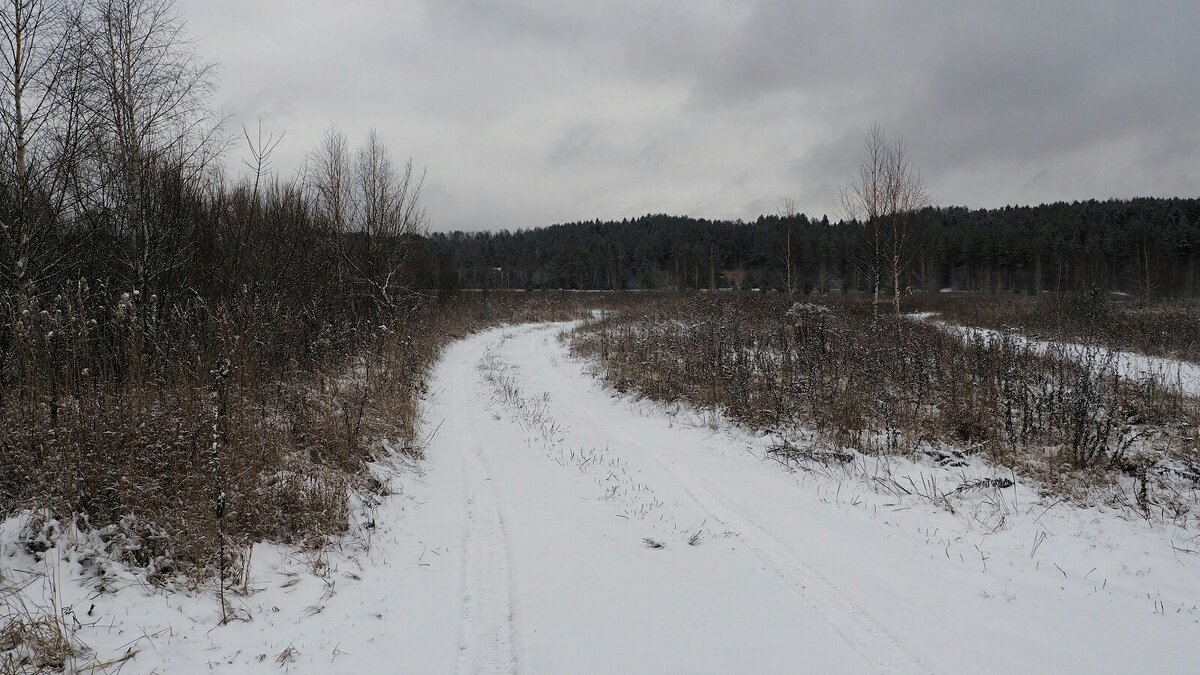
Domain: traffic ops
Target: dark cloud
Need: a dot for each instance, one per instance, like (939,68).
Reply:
(534,111)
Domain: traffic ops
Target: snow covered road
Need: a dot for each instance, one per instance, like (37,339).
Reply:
(562,496)
(601,535)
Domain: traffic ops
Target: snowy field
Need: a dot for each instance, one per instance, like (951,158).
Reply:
(558,528)
(1182,377)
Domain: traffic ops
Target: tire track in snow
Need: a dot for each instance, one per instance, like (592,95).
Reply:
(861,631)
(487,641)
(867,636)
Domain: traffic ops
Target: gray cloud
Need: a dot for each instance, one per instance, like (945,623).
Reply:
(535,111)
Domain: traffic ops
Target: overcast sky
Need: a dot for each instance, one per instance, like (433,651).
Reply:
(531,112)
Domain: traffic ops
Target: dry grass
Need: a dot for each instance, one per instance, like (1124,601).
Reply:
(186,432)
(34,638)
(1169,328)
(894,386)
(32,643)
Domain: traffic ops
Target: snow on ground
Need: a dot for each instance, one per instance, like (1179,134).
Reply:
(1179,376)
(558,528)
(341,610)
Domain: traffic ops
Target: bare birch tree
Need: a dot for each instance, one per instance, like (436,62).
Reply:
(884,197)
(40,121)
(787,213)
(906,194)
(329,178)
(389,208)
(149,92)
(863,200)
(370,206)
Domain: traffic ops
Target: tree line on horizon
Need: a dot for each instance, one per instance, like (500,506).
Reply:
(1147,247)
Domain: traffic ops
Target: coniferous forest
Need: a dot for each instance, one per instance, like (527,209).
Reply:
(1145,247)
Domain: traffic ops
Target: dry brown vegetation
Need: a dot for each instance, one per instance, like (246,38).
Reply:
(897,386)
(190,363)
(1167,328)
(203,428)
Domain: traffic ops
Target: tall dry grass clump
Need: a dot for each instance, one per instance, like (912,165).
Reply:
(123,410)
